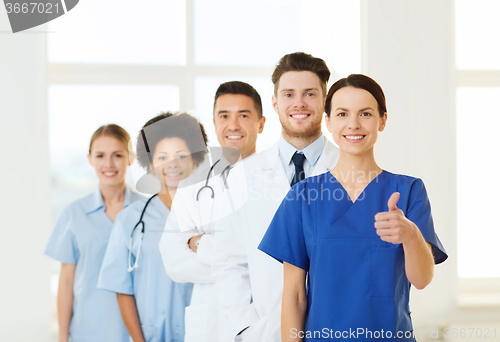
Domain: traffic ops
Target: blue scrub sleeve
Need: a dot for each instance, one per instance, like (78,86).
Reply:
(114,275)
(284,239)
(62,245)
(419,212)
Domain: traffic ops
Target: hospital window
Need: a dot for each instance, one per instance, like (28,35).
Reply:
(125,61)
(478,90)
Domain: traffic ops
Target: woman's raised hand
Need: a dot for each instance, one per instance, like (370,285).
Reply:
(392,226)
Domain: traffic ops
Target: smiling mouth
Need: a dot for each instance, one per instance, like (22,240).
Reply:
(110,173)
(300,116)
(173,174)
(234,137)
(354,138)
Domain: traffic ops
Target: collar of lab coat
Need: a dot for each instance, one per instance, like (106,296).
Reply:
(326,162)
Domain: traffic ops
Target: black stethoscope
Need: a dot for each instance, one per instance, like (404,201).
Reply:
(141,222)
(206,186)
(143,228)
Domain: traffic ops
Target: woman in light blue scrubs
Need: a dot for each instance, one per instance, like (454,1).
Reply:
(152,305)
(79,241)
(353,240)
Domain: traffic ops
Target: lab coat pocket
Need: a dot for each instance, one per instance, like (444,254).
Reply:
(151,333)
(385,263)
(196,322)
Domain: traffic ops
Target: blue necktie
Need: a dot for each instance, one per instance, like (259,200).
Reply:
(298,161)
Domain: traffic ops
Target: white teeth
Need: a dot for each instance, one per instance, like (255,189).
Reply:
(354,137)
(173,174)
(109,173)
(300,116)
(234,136)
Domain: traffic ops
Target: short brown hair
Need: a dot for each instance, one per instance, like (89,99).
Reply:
(240,88)
(182,126)
(111,130)
(300,61)
(357,81)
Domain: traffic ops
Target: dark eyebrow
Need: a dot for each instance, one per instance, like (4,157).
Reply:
(118,151)
(346,110)
(175,152)
(240,111)
(308,89)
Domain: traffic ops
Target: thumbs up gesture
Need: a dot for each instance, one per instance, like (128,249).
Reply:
(392,226)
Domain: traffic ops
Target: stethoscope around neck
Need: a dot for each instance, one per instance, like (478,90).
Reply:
(206,186)
(141,222)
(143,225)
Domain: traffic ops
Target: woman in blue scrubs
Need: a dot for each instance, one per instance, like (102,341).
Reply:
(79,241)
(152,305)
(353,240)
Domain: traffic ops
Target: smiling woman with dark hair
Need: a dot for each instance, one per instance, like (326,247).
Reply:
(170,146)
(358,236)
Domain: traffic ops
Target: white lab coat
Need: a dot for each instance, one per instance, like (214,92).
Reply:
(249,282)
(190,217)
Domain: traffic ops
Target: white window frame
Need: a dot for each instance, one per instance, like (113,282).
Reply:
(181,76)
(478,292)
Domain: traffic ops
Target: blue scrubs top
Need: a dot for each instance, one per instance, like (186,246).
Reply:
(356,282)
(80,237)
(160,301)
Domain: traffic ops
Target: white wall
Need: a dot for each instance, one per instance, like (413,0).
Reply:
(408,48)
(25,303)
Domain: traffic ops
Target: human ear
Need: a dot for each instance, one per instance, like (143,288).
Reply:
(262,121)
(131,155)
(383,121)
(131,158)
(275,104)
(89,157)
(327,122)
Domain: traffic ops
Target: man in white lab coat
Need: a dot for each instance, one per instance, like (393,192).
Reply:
(249,282)
(187,241)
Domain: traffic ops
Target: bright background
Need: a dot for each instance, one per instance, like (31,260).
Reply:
(125,61)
